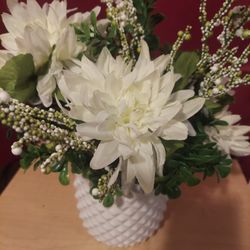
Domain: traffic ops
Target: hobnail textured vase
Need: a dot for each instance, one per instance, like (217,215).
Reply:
(131,220)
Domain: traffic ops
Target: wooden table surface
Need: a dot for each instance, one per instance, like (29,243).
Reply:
(37,213)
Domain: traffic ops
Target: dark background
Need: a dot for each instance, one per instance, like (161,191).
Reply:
(179,13)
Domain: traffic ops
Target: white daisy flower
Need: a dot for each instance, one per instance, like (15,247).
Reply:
(231,139)
(129,111)
(43,31)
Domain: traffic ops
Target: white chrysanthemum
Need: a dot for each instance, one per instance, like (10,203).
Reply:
(231,139)
(129,111)
(42,32)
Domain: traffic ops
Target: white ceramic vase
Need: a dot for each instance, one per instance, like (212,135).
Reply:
(128,222)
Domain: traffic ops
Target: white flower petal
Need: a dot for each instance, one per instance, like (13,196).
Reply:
(240,152)
(90,130)
(166,115)
(190,108)
(67,46)
(161,62)
(175,131)
(45,87)
(144,168)
(191,130)
(9,43)
(240,130)
(106,62)
(144,66)
(105,154)
(115,175)
(167,84)
(231,119)
(181,95)
(91,72)
(34,42)
(160,155)
(11,4)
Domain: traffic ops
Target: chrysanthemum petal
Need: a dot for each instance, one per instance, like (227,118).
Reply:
(105,154)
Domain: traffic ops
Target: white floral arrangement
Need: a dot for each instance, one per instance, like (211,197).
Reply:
(85,95)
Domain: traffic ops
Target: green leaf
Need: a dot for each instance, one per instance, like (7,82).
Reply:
(173,193)
(213,107)
(64,176)
(25,162)
(108,200)
(156,19)
(185,65)
(188,177)
(224,171)
(86,30)
(219,123)
(93,18)
(17,77)
(57,167)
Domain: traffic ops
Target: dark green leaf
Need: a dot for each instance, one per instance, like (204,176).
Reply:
(108,200)
(219,123)
(25,163)
(173,193)
(224,171)
(156,19)
(193,181)
(213,107)
(56,168)
(64,176)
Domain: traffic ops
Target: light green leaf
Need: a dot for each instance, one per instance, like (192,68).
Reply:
(17,77)
(185,65)
(93,18)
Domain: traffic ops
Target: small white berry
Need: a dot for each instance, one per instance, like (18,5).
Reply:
(214,68)
(16,151)
(218,81)
(95,192)
(245,61)
(58,148)
(215,91)
(11,107)
(18,130)
(239,32)
(43,170)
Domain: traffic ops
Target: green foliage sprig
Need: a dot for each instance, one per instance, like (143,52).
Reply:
(194,156)
(149,20)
